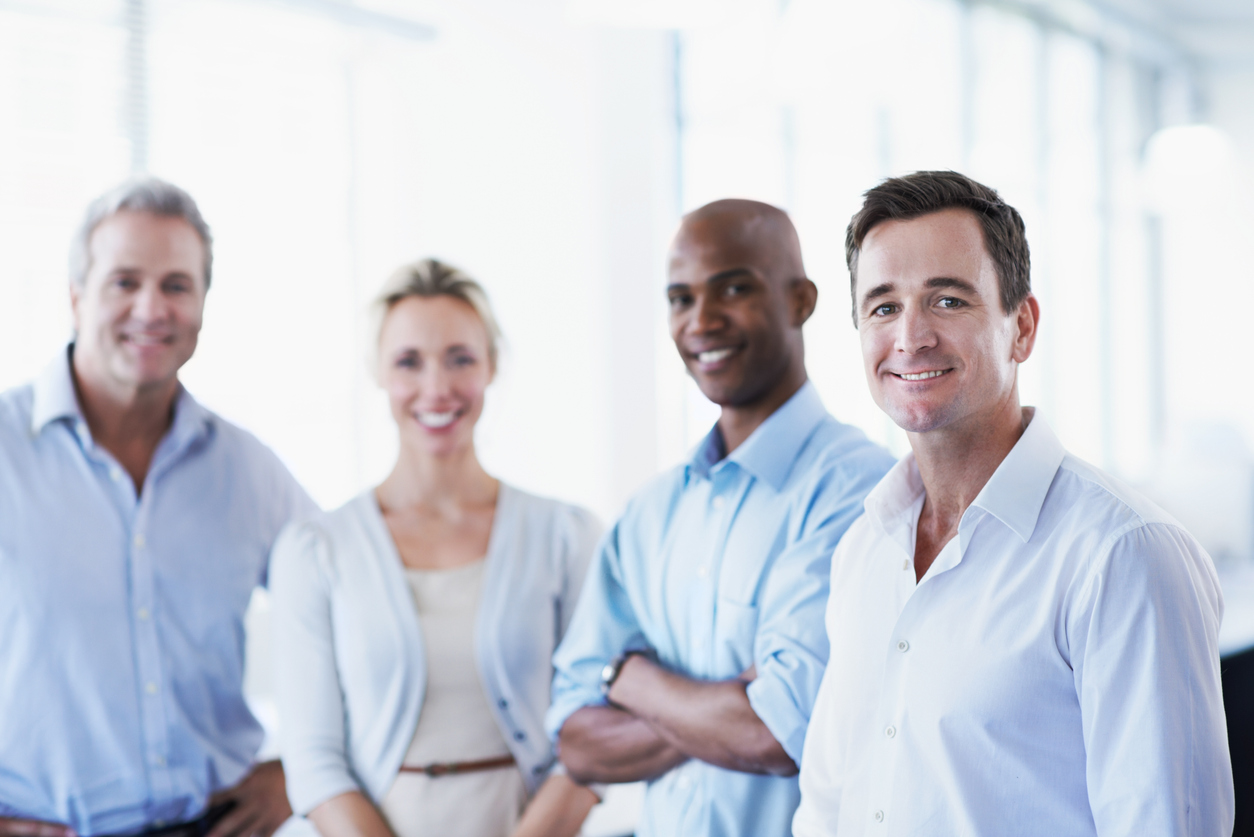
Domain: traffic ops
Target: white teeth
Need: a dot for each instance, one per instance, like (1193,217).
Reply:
(437,420)
(714,355)
(923,376)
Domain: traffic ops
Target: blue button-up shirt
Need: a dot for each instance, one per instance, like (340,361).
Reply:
(121,615)
(721,564)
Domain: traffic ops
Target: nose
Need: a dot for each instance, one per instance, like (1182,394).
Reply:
(149,304)
(705,315)
(915,331)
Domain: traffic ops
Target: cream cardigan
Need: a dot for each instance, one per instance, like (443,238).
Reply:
(350,663)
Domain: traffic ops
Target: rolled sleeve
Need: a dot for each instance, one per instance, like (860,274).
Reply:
(791,647)
(601,628)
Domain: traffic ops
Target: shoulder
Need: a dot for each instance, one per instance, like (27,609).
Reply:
(842,447)
(1088,499)
(318,539)
(1112,530)
(236,443)
(15,413)
(535,506)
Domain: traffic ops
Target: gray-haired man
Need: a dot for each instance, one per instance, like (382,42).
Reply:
(134,526)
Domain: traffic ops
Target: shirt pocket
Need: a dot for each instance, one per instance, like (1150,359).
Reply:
(735,626)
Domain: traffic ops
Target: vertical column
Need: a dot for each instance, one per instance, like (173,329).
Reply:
(135,118)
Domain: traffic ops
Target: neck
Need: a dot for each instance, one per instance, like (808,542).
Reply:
(955,463)
(737,422)
(123,417)
(453,480)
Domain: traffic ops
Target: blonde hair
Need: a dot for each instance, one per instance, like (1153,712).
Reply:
(431,278)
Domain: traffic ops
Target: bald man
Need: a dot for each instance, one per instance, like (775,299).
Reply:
(696,650)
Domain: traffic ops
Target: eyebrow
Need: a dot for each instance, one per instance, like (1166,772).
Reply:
(721,276)
(935,282)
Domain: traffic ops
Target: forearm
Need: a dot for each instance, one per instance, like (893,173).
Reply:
(557,810)
(604,744)
(349,815)
(708,720)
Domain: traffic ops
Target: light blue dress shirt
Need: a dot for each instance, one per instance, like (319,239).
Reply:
(121,616)
(719,565)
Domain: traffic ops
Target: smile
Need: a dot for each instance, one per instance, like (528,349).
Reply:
(436,421)
(922,376)
(714,355)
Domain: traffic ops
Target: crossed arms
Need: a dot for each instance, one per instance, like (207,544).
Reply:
(658,719)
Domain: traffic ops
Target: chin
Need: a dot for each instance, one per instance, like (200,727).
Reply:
(920,418)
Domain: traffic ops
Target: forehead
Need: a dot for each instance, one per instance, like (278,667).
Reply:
(948,243)
(435,321)
(702,250)
(147,241)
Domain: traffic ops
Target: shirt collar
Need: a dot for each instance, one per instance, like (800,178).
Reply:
(770,451)
(1016,491)
(55,398)
(1014,494)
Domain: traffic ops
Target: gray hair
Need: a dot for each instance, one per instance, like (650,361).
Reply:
(431,278)
(141,194)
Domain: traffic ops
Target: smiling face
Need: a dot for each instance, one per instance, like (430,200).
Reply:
(737,303)
(940,353)
(138,313)
(434,364)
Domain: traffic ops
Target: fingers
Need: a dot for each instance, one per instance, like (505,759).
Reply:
(10,827)
(240,821)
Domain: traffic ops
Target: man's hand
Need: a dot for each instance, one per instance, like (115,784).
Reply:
(261,804)
(10,827)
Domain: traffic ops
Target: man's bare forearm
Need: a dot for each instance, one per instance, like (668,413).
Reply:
(604,744)
(707,720)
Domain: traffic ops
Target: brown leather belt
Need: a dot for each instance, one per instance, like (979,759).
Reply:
(454,767)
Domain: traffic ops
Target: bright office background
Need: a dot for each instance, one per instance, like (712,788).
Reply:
(549,148)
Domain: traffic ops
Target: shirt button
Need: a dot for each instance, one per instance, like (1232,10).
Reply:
(150,688)
(717,502)
(891,731)
(158,759)
(903,646)
(520,736)
(684,783)
(879,816)
(115,474)
(703,572)
(139,540)
(142,613)
(503,703)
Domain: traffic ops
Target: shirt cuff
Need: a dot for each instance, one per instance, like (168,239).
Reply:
(772,701)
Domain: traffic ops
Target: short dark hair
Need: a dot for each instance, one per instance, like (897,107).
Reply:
(925,192)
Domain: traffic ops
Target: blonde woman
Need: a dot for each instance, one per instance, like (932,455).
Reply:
(414,626)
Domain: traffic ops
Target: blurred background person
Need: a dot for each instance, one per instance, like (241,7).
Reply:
(415,625)
(134,526)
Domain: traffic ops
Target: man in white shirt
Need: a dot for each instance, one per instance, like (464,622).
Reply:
(1019,643)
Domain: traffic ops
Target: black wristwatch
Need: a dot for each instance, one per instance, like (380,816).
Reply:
(615,666)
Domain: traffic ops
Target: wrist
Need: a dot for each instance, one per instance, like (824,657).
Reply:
(611,675)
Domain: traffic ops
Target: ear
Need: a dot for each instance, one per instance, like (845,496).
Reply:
(1027,321)
(76,294)
(804,296)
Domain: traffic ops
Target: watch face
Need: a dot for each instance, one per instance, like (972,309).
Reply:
(607,673)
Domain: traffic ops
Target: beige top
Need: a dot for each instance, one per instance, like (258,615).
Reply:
(455,723)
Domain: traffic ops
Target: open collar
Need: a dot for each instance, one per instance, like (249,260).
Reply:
(54,399)
(1016,491)
(772,449)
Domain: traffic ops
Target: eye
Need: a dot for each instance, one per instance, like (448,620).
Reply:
(461,360)
(408,360)
(950,302)
(680,300)
(883,310)
(177,286)
(126,283)
(737,289)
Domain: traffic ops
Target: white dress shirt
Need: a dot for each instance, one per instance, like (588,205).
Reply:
(1055,672)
